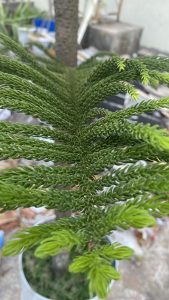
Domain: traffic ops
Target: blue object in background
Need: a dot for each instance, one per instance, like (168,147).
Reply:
(37,22)
(50,25)
(1,239)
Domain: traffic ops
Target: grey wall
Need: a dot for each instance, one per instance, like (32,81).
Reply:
(153,16)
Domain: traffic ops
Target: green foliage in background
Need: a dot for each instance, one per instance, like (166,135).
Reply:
(23,15)
(91,149)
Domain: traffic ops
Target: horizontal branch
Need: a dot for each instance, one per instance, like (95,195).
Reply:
(34,131)
(17,151)
(146,133)
(24,85)
(64,200)
(41,176)
(13,66)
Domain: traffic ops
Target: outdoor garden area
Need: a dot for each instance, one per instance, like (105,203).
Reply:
(84,150)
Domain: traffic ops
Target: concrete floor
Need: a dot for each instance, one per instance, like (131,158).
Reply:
(9,279)
(147,279)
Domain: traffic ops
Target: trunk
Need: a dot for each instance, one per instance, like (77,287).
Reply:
(66,14)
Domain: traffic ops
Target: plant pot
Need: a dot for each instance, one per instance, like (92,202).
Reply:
(27,293)
(23,34)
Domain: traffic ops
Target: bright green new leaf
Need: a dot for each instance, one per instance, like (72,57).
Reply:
(63,240)
(116,251)
(100,277)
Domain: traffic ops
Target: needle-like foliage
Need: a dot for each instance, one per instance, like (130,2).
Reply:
(91,149)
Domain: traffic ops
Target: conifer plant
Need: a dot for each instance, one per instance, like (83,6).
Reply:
(97,173)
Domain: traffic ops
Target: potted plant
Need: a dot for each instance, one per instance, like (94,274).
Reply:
(97,179)
(52,284)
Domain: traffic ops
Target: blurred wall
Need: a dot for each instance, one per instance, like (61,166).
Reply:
(152,15)
(42,4)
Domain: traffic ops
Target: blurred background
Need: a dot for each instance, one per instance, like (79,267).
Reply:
(129,28)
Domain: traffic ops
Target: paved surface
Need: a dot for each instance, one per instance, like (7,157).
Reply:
(147,279)
(9,279)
